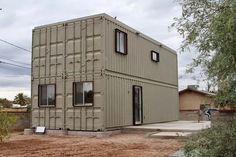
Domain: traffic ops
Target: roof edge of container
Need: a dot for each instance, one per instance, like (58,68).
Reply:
(71,20)
(140,33)
(108,17)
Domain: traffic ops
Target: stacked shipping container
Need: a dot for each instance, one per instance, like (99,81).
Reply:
(83,50)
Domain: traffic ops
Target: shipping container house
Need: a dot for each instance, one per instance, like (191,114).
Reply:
(95,74)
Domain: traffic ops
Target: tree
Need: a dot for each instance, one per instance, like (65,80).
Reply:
(210,27)
(217,141)
(22,99)
(5,103)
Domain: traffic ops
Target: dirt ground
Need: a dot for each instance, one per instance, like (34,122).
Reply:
(122,145)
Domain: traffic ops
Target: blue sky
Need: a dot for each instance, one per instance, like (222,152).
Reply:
(18,18)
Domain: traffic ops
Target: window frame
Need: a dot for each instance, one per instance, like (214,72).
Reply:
(158,56)
(73,96)
(39,95)
(125,42)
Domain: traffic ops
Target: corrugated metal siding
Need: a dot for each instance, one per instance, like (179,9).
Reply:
(138,61)
(64,53)
(118,107)
(158,80)
(73,51)
(160,102)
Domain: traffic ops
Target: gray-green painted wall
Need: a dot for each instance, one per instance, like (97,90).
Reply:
(83,50)
(159,81)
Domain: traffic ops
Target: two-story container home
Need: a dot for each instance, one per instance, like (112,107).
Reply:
(95,73)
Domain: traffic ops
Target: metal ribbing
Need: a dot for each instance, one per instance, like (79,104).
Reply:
(49,68)
(139,51)
(64,76)
(81,49)
(93,79)
(56,73)
(39,74)
(88,40)
(73,74)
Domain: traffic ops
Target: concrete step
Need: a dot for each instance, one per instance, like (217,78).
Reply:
(139,130)
(179,153)
(170,135)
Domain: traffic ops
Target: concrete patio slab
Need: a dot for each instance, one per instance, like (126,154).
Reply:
(175,126)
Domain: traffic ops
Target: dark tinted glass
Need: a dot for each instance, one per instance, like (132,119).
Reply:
(78,93)
(43,94)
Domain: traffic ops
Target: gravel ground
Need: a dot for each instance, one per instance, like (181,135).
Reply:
(122,145)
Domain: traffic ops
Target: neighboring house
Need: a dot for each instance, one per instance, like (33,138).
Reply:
(18,106)
(191,101)
(96,73)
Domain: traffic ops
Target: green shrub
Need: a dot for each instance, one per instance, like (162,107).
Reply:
(29,107)
(217,141)
(6,123)
(5,103)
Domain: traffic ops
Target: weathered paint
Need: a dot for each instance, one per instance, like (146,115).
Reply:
(83,50)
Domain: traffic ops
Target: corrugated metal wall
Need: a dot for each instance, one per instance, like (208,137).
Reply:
(160,102)
(138,61)
(73,51)
(158,80)
(64,53)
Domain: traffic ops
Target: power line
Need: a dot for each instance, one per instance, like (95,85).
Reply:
(14,61)
(19,47)
(2,62)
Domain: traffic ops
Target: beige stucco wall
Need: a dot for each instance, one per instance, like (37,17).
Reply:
(191,100)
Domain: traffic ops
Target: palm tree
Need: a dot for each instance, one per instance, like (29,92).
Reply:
(22,99)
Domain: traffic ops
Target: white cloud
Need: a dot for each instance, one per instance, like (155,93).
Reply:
(11,92)
(17,19)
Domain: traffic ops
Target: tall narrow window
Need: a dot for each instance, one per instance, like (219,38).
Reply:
(121,42)
(83,93)
(155,56)
(47,95)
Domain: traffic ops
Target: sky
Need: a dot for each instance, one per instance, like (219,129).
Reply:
(18,18)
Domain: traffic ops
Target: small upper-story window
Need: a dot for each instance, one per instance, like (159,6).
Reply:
(155,56)
(83,93)
(121,42)
(47,95)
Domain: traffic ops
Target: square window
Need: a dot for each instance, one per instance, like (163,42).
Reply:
(47,95)
(121,42)
(155,56)
(83,93)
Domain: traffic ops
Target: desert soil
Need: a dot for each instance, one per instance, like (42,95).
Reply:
(122,145)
